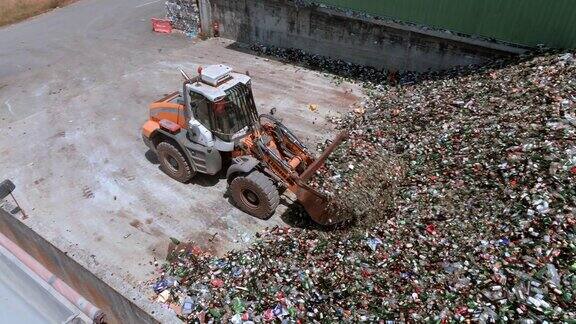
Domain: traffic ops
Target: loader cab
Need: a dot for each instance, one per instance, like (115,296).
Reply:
(222,102)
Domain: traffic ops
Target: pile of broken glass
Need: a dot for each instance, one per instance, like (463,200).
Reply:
(462,189)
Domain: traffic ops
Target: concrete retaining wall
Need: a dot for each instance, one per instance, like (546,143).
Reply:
(117,308)
(333,33)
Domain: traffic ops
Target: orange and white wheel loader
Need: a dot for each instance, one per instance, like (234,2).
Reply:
(213,123)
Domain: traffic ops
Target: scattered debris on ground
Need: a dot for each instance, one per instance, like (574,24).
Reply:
(464,194)
(370,77)
(340,68)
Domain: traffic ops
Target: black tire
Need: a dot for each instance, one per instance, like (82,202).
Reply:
(174,163)
(255,194)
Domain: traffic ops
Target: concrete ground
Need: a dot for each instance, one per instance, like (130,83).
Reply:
(74,89)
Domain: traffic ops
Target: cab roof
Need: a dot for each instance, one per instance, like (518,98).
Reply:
(215,80)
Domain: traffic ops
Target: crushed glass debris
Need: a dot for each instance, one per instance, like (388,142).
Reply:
(463,189)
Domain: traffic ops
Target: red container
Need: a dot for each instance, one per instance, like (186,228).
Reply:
(161,25)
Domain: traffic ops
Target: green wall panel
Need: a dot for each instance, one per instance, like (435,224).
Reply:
(525,22)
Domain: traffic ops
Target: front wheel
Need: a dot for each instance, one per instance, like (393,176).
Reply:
(255,194)
(174,163)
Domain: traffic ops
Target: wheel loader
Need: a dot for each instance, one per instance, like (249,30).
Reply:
(213,124)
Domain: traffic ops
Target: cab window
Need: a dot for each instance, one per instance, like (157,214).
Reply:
(200,109)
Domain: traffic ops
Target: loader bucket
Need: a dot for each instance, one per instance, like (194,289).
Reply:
(314,202)
(316,205)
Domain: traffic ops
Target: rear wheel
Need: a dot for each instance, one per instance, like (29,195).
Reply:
(255,194)
(173,162)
